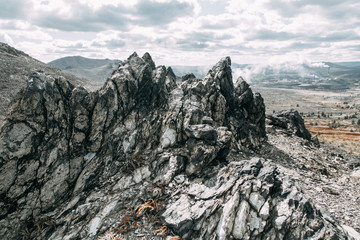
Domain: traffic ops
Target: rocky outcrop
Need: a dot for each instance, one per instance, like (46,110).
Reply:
(248,200)
(16,66)
(142,152)
(291,121)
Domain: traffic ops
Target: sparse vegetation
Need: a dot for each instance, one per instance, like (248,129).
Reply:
(325,114)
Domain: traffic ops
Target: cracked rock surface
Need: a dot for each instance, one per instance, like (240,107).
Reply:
(146,157)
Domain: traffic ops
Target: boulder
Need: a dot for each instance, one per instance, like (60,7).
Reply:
(291,121)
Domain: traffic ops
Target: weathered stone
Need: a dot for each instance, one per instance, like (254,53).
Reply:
(226,221)
(240,226)
(353,234)
(149,60)
(7,176)
(203,132)
(200,157)
(292,121)
(264,212)
(238,219)
(168,137)
(355,175)
(256,225)
(96,222)
(75,165)
(330,190)
(256,200)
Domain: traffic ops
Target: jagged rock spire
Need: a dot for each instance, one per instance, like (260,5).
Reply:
(147,58)
(74,163)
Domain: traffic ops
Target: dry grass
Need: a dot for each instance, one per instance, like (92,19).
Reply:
(345,136)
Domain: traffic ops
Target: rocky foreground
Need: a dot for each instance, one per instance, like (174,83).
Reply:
(148,158)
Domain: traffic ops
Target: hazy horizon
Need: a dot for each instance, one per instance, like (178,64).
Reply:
(205,65)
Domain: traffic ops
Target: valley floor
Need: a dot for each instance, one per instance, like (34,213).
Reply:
(334,117)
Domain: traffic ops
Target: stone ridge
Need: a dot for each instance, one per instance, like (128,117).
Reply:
(73,161)
(251,200)
(16,66)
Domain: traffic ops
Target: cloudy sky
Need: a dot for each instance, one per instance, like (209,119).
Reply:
(185,32)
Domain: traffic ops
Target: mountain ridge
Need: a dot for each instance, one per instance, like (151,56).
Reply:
(94,69)
(15,68)
(328,76)
(146,156)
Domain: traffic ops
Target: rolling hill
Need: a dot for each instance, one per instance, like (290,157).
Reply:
(94,69)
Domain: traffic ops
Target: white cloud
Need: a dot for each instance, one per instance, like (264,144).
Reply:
(189,32)
(6,38)
(252,6)
(319,65)
(31,35)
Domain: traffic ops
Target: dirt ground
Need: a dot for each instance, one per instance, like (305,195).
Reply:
(333,116)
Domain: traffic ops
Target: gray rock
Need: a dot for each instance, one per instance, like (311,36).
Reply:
(291,121)
(203,132)
(240,224)
(351,232)
(238,219)
(146,151)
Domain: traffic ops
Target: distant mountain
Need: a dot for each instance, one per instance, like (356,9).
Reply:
(16,66)
(318,75)
(94,69)
(199,71)
(354,65)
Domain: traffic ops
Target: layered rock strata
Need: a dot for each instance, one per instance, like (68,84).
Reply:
(78,164)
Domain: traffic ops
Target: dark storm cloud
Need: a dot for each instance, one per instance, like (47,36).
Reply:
(144,13)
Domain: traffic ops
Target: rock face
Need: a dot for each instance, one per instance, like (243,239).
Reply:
(249,200)
(16,66)
(291,121)
(143,152)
